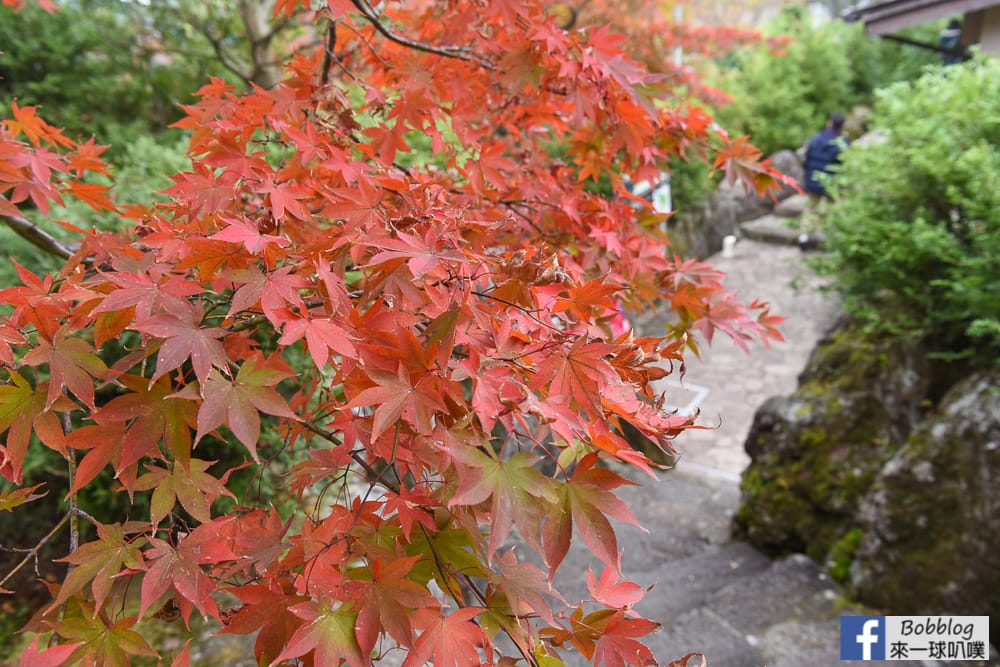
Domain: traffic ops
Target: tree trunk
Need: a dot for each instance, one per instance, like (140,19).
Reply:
(256,14)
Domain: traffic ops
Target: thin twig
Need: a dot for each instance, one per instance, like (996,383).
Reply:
(526,311)
(373,475)
(33,551)
(74,518)
(84,515)
(256,320)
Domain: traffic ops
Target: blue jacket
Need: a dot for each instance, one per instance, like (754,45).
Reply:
(822,153)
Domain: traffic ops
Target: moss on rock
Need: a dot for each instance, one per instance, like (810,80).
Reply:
(873,469)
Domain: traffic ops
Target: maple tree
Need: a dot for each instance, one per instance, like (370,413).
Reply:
(421,337)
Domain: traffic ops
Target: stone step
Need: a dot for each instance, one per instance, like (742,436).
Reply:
(771,229)
(792,207)
(794,587)
(688,583)
(781,231)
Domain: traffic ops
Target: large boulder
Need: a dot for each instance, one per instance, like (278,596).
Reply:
(881,467)
(929,520)
(815,454)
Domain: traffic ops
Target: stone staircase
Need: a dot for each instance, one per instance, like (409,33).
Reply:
(714,596)
(786,225)
(721,598)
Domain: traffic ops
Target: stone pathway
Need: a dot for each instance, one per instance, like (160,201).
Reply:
(738,382)
(714,596)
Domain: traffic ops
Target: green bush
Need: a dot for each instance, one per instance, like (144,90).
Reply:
(100,72)
(782,97)
(914,230)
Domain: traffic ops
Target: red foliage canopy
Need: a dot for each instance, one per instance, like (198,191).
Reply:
(420,338)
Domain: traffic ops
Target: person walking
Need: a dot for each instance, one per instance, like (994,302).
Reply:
(822,153)
(950,40)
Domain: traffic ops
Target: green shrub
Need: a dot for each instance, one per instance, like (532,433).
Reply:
(782,97)
(99,73)
(914,230)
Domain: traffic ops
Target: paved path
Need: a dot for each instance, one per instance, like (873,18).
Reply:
(725,599)
(737,382)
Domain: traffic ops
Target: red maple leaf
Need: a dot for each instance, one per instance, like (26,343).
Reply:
(178,569)
(388,601)
(238,404)
(451,640)
(266,611)
(73,364)
(586,502)
(185,338)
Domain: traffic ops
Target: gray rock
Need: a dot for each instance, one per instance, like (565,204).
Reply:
(792,207)
(772,229)
(881,467)
(933,513)
(700,233)
(815,454)
(789,164)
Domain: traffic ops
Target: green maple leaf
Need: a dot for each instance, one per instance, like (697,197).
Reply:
(238,404)
(330,633)
(17,497)
(520,494)
(100,562)
(191,485)
(101,641)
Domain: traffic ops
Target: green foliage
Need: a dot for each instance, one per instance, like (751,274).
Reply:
(783,96)
(915,227)
(842,554)
(99,73)
(691,182)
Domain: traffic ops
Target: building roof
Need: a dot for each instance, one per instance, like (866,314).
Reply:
(888,17)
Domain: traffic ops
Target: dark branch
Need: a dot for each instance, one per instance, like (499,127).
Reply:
(33,552)
(459,52)
(328,53)
(37,236)
(224,56)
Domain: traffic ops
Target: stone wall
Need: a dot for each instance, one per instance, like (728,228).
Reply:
(881,467)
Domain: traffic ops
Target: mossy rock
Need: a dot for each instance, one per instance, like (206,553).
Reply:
(815,454)
(873,468)
(933,513)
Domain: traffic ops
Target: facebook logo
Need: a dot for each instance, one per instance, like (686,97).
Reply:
(862,637)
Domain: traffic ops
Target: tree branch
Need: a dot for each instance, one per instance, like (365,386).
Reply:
(74,518)
(224,56)
(328,53)
(33,551)
(37,236)
(459,52)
